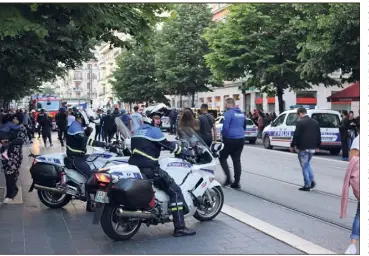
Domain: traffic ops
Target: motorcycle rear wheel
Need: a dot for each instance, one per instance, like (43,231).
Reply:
(202,215)
(53,200)
(110,223)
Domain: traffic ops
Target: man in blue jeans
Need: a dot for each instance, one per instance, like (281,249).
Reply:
(306,140)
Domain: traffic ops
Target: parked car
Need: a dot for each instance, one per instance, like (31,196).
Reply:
(251,132)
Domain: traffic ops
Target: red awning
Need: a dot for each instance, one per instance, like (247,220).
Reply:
(351,93)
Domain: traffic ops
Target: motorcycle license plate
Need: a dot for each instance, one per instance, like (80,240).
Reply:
(100,196)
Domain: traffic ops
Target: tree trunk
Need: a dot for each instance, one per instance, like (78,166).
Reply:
(180,101)
(193,100)
(280,99)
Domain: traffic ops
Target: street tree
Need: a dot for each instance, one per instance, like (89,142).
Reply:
(134,80)
(332,41)
(257,43)
(181,68)
(41,41)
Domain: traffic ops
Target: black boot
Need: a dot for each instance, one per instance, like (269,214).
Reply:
(178,232)
(90,206)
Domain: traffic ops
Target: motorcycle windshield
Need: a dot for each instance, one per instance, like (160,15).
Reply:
(123,130)
(188,136)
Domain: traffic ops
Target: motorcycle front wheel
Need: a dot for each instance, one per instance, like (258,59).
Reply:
(208,211)
(118,229)
(53,200)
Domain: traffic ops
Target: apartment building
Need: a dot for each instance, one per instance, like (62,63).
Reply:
(81,84)
(253,99)
(107,63)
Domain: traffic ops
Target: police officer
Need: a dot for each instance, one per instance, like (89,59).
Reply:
(61,119)
(146,145)
(77,141)
(45,124)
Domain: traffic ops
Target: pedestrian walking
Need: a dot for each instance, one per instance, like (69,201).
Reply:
(46,124)
(306,140)
(27,122)
(15,157)
(135,120)
(233,134)
(344,128)
(179,116)
(98,125)
(108,126)
(188,121)
(208,130)
(352,178)
(61,120)
(70,120)
(261,126)
(172,118)
(33,121)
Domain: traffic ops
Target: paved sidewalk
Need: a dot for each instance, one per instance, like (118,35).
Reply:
(31,228)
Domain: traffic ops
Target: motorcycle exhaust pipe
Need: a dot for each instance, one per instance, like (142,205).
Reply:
(55,190)
(131,214)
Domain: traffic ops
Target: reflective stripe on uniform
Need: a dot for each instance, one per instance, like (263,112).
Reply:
(75,150)
(180,208)
(75,133)
(90,142)
(175,204)
(144,154)
(179,150)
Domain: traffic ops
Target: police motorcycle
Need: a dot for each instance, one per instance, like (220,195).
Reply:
(125,199)
(57,181)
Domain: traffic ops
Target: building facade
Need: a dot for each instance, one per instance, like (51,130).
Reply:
(107,63)
(253,99)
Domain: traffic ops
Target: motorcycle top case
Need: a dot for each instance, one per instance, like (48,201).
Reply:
(45,174)
(134,194)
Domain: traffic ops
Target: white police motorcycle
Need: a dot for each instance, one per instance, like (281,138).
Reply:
(57,181)
(125,199)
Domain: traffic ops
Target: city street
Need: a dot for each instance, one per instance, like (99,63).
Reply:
(270,182)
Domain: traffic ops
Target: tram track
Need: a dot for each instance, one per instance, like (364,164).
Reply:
(301,212)
(297,185)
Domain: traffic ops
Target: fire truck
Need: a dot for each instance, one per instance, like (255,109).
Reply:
(50,103)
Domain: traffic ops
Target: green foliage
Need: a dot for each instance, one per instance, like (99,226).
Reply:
(332,41)
(181,68)
(40,41)
(134,80)
(257,42)
(48,90)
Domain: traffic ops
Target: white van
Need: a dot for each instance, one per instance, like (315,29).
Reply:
(280,132)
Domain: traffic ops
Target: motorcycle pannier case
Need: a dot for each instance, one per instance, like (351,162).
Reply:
(45,174)
(134,194)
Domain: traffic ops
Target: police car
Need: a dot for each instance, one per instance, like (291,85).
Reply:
(251,132)
(280,132)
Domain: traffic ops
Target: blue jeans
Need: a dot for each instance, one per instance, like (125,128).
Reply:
(356,225)
(304,158)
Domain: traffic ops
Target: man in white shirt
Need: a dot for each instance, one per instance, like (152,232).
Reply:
(136,119)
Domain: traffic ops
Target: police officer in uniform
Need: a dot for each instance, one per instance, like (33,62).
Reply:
(77,141)
(146,145)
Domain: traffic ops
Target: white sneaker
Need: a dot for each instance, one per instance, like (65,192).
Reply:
(351,250)
(7,200)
